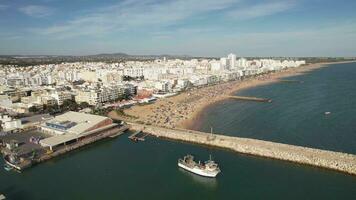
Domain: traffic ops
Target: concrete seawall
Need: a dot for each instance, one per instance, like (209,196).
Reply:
(341,162)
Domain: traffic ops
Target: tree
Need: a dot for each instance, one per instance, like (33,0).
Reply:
(127,78)
(33,109)
(69,104)
(53,109)
(84,105)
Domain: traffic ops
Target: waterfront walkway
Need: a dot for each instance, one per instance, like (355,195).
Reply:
(341,162)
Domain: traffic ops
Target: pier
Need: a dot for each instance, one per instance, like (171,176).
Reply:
(250,98)
(337,161)
(135,137)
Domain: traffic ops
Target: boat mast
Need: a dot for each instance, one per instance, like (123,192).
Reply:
(211,134)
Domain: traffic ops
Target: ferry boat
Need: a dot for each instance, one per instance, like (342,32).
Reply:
(206,169)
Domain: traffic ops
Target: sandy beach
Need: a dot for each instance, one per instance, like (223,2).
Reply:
(184,109)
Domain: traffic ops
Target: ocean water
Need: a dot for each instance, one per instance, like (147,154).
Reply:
(297,113)
(121,169)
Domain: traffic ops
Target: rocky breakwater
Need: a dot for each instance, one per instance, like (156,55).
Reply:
(338,161)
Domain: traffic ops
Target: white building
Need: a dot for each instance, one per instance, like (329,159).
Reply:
(223,62)
(134,72)
(215,66)
(72,126)
(163,86)
(231,61)
(9,124)
(61,96)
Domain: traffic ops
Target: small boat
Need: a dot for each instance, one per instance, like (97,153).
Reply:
(16,163)
(2,197)
(327,113)
(207,169)
(7,167)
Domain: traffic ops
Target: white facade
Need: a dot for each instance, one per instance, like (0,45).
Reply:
(231,61)
(61,96)
(133,72)
(9,124)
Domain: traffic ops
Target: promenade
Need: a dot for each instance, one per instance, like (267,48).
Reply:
(338,161)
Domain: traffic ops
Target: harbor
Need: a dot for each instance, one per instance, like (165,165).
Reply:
(342,162)
(244,175)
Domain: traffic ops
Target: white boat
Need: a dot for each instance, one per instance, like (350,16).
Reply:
(206,169)
(2,197)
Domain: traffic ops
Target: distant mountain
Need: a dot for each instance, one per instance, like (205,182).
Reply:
(110,55)
(27,60)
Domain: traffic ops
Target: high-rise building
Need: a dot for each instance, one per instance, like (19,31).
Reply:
(223,62)
(231,61)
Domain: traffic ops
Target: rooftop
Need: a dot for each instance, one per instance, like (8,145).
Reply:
(75,122)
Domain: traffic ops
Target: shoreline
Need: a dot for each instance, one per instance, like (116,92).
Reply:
(185,109)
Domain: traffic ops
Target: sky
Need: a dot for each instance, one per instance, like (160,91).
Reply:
(178,27)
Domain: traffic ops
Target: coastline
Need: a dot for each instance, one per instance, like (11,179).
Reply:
(185,109)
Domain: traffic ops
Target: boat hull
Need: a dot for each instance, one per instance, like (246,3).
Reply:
(198,171)
(18,167)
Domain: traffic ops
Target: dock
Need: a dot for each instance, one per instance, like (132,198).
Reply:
(338,161)
(135,137)
(243,98)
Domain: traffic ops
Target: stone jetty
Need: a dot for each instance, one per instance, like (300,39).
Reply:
(338,161)
(250,98)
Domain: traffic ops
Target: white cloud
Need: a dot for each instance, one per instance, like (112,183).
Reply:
(261,10)
(36,10)
(133,14)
